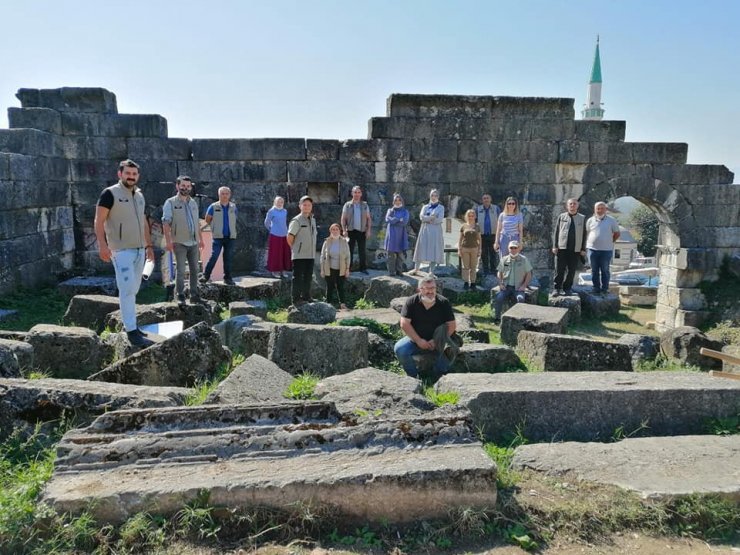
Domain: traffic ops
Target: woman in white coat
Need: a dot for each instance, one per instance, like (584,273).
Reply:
(430,245)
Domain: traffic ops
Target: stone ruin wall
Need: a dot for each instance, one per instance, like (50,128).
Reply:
(63,146)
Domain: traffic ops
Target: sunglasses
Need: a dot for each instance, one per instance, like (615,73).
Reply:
(514,203)
(513,248)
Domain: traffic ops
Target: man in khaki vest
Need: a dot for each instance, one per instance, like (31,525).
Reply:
(568,246)
(122,231)
(221,216)
(182,236)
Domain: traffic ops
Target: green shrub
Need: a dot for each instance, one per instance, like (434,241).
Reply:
(302,387)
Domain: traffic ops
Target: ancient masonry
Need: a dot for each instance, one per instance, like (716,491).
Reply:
(63,145)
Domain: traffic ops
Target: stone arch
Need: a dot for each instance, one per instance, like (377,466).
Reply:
(675,214)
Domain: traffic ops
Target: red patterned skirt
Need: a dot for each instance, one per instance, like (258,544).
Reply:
(278,254)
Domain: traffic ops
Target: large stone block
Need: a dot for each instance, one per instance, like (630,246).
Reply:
(43,119)
(101,148)
(249,149)
(384,289)
(66,351)
(190,314)
(293,348)
(89,311)
(610,153)
(438,105)
(246,288)
(32,221)
(574,152)
(565,353)
(114,125)
(156,148)
(312,313)
(643,348)
(684,343)
(374,150)
(686,298)
(37,168)
(570,302)
(524,316)
(239,172)
(30,141)
(252,308)
(231,330)
(322,149)
(50,399)
(69,99)
(21,350)
(480,357)
(255,381)
(578,406)
(637,295)
(699,174)
(276,457)
(601,131)
(89,286)
(434,150)
(660,153)
(375,394)
(597,306)
(181,361)
(655,468)
(10,366)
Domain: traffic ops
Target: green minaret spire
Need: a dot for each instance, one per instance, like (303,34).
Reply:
(596,69)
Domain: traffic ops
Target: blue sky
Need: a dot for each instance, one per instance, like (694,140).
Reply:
(321,69)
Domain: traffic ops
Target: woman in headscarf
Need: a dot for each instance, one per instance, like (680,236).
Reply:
(430,244)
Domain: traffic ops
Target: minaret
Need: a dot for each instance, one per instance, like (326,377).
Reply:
(592,110)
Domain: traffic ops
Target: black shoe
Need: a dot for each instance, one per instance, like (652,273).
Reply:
(363,272)
(195,299)
(466,286)
(138,339)
(568,292)
(181,299)
(229,281)
(204,279)
(473,287)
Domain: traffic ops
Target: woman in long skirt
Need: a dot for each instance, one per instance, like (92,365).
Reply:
(278,250)
(396,235)
(430,243)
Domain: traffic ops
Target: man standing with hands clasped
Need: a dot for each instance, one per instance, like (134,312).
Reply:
(486,214)
(122,231)
(182,236)
(568,246)
(603,231)
(357,224)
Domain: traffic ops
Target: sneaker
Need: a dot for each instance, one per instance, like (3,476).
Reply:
(138,339)
(466,286)
(229,281)
(204,279)
(181,299)
(556,293)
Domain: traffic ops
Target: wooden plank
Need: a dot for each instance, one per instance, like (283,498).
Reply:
(719,355)
(718,374)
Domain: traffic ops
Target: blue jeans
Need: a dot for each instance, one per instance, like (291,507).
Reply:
(599,261)
(510,293)
(129,265)
(405,350)
(227,244)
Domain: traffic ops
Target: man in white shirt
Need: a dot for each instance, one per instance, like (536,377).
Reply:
(603,231)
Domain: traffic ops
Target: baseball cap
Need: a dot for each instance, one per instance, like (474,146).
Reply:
(305,197)
(514,244)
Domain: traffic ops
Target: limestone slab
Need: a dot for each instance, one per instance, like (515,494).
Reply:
(524,316)
(88,285)
(596,306)
(67,351)
(481,357)
(570,302)
(90,311)
(588,406)
(158,460)
(256,380)
(566,353)
(655,467)
(157,313)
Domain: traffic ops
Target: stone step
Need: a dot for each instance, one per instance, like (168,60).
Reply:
(521,316)
(654,467)
(272,456)
(553,352)
(593,406)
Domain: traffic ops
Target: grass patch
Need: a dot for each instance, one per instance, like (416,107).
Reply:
(630,319)
(662,363)
(473,298)
(302,387)
(43,306)
(201,390)
(362,304)
(279,316)
(441,399)
(151,293)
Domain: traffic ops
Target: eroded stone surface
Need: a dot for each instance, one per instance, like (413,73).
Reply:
(90,311)
(684,344)
(191,356)
(67,351)
(245,288)
(256,380)
(231,332)
(655,467)
(588,406)
(89,285)
(571,302)
(312,313)
(251,308)
(597,306)
(566,353)
(521,316)
(384,289)
(370,392)
(481,357)
(642,347)
(158,460)
(157,313)
(47,399)
(14,356)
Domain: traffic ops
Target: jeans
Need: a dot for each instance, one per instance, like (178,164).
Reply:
(302,274)
(189,253)
(334,282)
(509,293)
(405,350)
(227,243)
(488,255)
(129,265)
(566,263)
(600,269)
